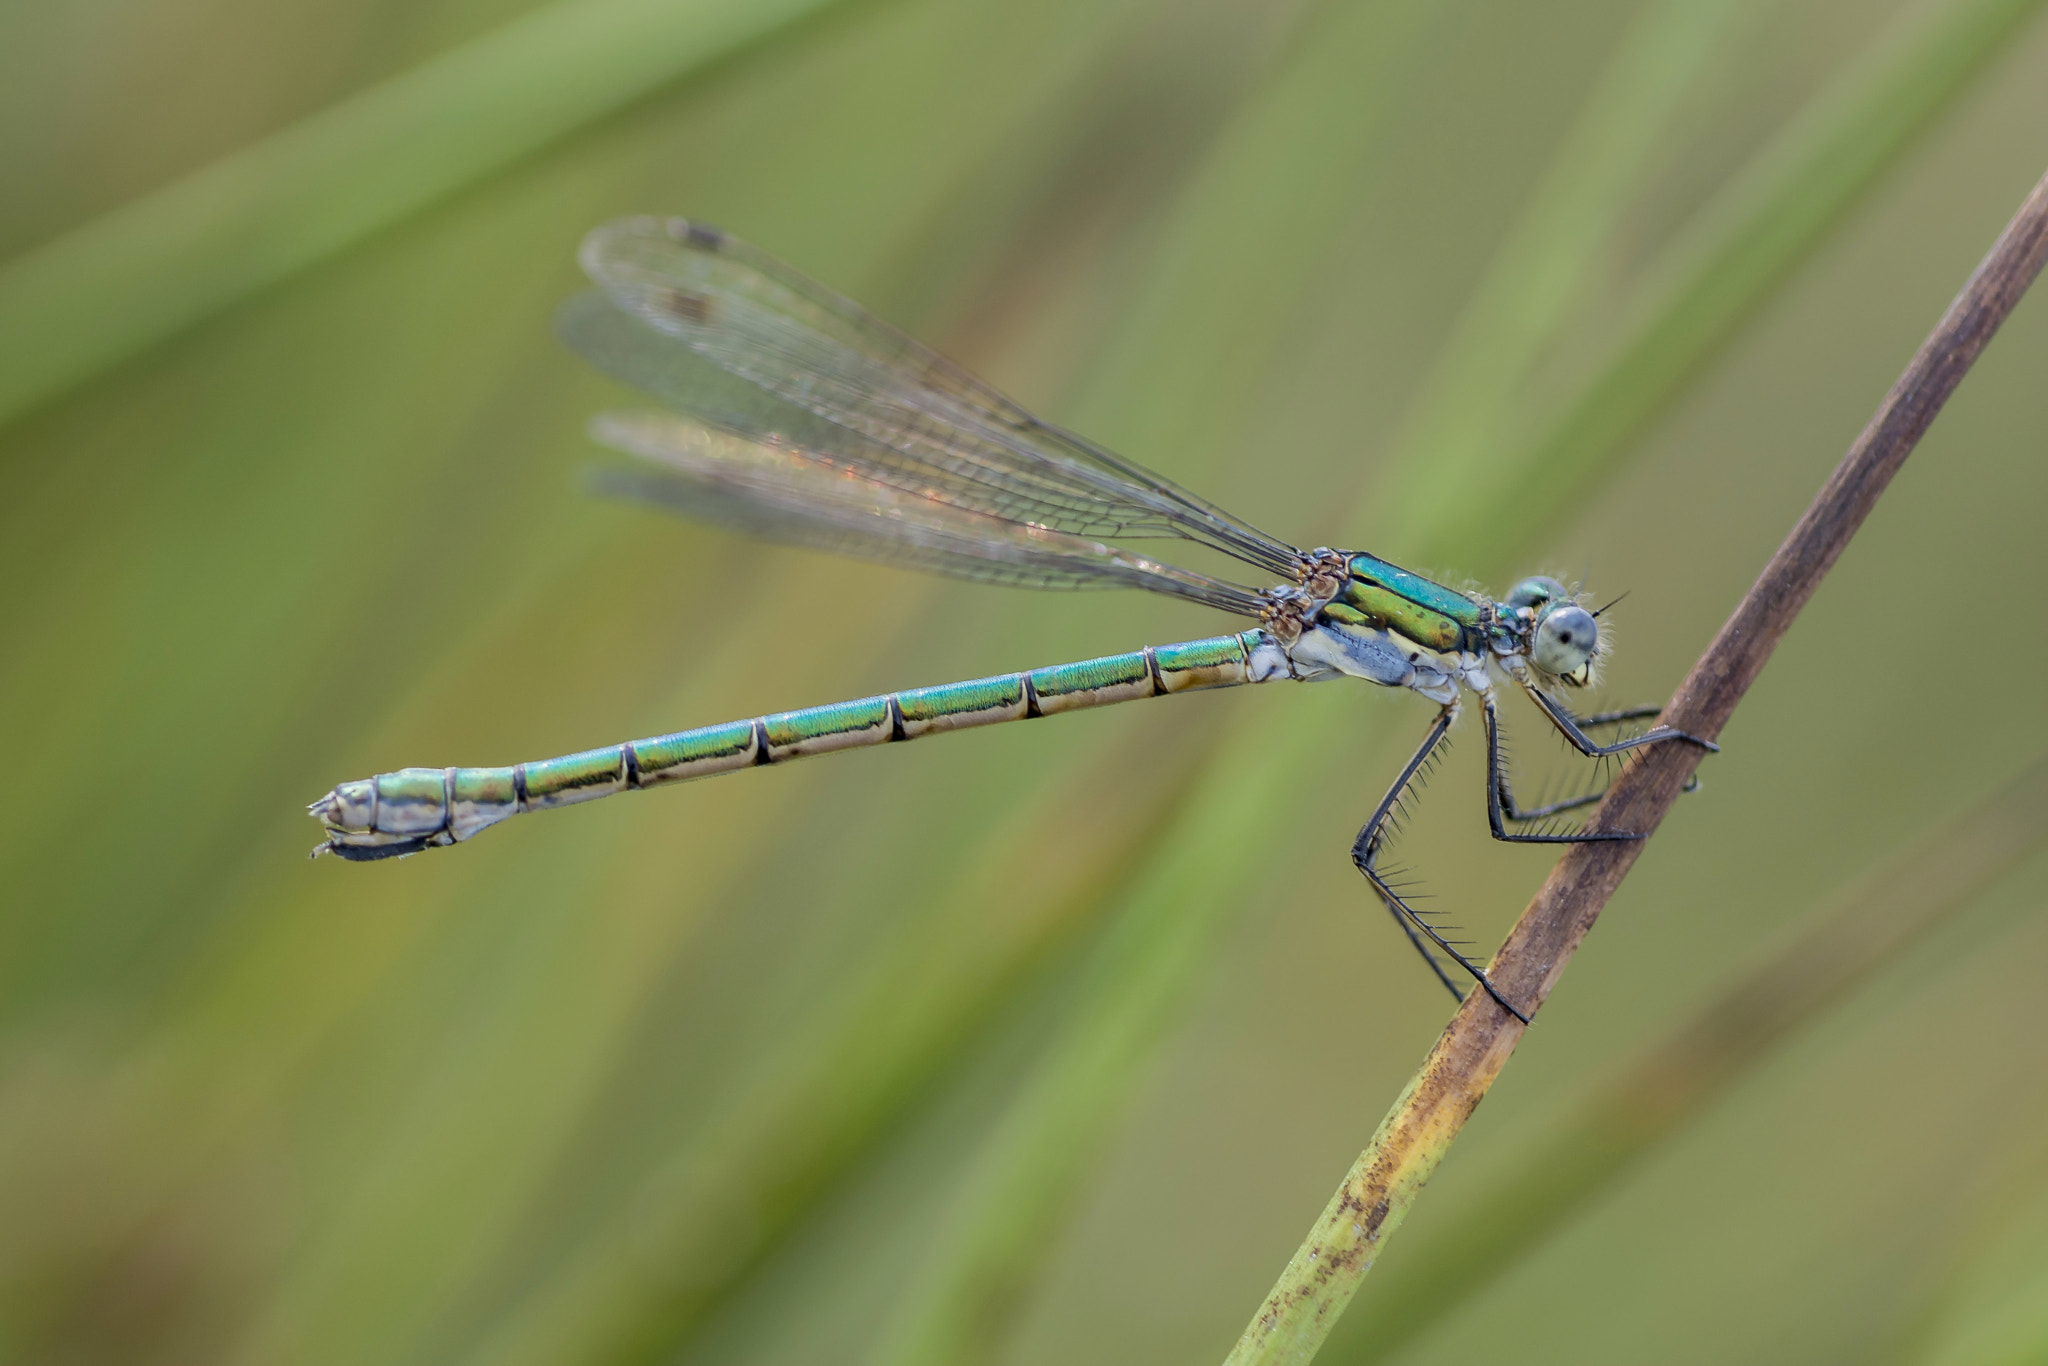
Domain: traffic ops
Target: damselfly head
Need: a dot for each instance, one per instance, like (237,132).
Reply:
(1563,638)
(1566,643)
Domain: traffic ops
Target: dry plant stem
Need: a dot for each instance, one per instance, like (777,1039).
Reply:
(1324,1273)
(1557,1173)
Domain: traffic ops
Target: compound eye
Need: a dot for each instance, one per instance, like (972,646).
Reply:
(1566,640)
(1535,592)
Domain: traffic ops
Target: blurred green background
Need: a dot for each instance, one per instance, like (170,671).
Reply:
(1039,1044)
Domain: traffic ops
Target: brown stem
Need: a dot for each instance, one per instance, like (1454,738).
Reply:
(1325,1272)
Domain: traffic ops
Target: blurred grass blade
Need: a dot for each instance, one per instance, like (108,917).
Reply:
(1991,1306)
(1272,164)
(709,1214)
(1543,269)
(972,1273)
(115,286)
(1168,928)
(1749,240)
(2013,1331)
(1018,1190)
(1677,1078)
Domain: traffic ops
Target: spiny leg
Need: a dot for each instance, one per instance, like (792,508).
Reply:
(1569,726)
(1500,795)
(1515,812)
(1609,718)
(1365,853)
(1366,849)
(1500,799)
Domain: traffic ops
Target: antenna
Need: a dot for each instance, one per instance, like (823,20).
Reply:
(1612,603)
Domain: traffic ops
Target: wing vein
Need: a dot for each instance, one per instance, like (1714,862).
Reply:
(816,423)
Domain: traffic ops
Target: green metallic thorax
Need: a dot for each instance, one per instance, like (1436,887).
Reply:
(1388,597)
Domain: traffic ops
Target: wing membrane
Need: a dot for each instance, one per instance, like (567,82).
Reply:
(821,373)
(779,492)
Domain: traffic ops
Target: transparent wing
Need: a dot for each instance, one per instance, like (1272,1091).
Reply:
(877,398)
(779,492)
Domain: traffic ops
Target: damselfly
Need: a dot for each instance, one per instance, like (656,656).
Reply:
(800,418)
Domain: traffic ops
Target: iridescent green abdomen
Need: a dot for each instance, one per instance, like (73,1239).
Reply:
(412,809)
(1388,597)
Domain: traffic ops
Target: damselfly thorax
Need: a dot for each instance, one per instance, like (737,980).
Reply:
(799,417)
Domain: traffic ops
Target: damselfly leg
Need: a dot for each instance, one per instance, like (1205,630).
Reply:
(1365,854)
(1505,805)
(1572,727)
(1501,802)
(1501,806)
(1501,810)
